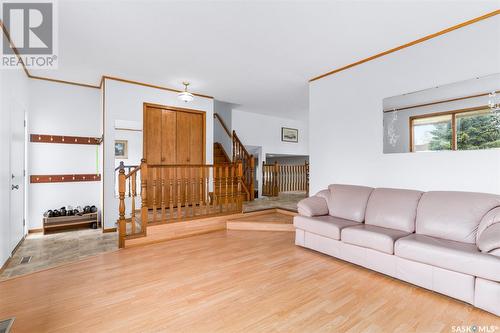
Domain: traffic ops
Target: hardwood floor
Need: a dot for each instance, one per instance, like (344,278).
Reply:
(225,281)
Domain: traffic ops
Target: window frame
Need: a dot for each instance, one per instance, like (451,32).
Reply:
(453,114)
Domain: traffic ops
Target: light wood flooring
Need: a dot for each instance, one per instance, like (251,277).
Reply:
(226,281)
(268,220)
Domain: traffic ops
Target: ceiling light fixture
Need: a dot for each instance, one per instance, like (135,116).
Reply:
(185,96)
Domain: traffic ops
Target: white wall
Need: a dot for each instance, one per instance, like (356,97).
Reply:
(346,116)
(264,131)
(62,109)
(124,102)
(13,93)
(224,110)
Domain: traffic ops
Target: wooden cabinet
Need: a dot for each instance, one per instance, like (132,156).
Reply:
(171,136)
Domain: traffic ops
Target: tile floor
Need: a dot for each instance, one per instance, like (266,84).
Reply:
(59,248)
(287,200)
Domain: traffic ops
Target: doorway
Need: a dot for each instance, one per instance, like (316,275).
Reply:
(17,174)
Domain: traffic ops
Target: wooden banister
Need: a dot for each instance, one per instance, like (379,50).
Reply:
(278,178)
(240,154)
(223,124)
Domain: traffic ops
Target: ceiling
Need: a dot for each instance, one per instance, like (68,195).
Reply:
(256,54)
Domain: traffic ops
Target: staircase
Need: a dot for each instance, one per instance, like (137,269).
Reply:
(239,155)
(220,155)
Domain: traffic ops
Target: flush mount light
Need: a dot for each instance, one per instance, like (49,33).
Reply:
(185,96)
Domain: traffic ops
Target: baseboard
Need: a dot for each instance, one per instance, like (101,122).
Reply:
(35,230)
(108,230)
(5,264)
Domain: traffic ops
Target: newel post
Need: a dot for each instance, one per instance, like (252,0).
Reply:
(252,181)
(307,178)
(240,189)
(144,199)
(122,227)
(276,187)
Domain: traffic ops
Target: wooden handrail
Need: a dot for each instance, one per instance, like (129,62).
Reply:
(223,124)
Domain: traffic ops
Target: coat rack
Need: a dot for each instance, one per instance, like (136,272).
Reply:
(85,177)
(75,140)
(67,178)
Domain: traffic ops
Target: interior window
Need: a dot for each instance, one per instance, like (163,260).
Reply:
(432,133)
(478,130)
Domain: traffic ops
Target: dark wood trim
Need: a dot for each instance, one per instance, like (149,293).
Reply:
(14,48)
(35,230)
(178,109)
(103,164)
(453,114)
(106,230)
(439,102)
(75,140)
(444,113)
(152,86)
(86,85)
(87,177)
(417,41)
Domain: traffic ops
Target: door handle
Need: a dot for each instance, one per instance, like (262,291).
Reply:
(15,187)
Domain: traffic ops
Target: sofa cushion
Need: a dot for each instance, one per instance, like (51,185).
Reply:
(453,215)
(489,239)
(491,218)
(393,208)
(348,201)
(372,237)
(327,226)
(456,256)
(312,206)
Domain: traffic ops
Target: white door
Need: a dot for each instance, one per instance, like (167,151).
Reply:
(17,146)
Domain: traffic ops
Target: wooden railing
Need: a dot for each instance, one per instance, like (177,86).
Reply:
(172,193)
(128,184)
(278,178)
(223,124)
(240,154)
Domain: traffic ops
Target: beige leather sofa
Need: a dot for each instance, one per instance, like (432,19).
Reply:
(448,242)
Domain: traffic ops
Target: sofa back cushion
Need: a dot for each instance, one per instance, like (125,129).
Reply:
(348,201)
(393,208)
(453,215)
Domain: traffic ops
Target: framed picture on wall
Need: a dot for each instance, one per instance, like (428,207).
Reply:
(121,149)
(289,134)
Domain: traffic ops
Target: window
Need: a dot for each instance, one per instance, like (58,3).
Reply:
(475,128)
(478,130)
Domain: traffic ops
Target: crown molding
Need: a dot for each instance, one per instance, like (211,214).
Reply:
(417,41)
(101,81)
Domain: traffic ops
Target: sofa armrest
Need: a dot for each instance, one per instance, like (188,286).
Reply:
(490,218)
(489,240)
(315,205)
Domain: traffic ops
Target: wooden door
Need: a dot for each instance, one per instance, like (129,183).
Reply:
(168,137)
(171,136)
(196,142)
(183,138)
(152,135)
(190,138)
